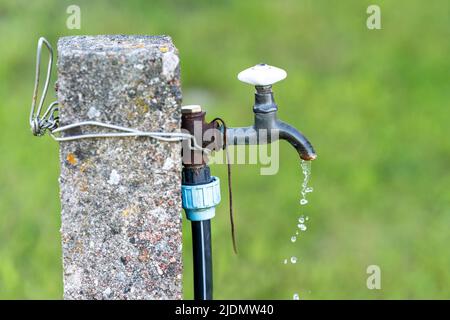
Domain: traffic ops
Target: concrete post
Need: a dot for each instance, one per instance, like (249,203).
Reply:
(120,197)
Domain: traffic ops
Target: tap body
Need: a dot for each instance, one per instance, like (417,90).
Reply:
(267,128)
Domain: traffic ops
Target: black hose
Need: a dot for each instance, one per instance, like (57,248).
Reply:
(202,256)
(201,239)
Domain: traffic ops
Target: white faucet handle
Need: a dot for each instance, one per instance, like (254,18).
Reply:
(262,75)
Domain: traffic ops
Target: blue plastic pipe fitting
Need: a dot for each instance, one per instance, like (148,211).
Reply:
(200,201)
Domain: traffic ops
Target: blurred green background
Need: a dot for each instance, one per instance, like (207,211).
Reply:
(375,104)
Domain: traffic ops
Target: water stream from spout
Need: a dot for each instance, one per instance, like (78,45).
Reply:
(302,219)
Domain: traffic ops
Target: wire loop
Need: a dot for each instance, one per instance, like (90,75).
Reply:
(49,120)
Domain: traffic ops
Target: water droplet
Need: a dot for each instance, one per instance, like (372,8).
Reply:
(296,232)
(309,189)
(307,218)
(285,261)
(301,226)
(296,297)
(293,238)
(301,219)
(303,202)
(293,259)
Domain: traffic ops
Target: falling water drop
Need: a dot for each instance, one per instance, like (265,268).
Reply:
(305,189)
(285,261)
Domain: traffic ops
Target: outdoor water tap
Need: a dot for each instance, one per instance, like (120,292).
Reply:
(200,190)
(267,127)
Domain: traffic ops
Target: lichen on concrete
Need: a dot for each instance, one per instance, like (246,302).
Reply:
(120,197)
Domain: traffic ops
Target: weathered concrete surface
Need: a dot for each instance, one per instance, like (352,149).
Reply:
(121,203)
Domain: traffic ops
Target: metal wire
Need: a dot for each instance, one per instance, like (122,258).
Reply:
(125,132)
(50,120)
(230,191)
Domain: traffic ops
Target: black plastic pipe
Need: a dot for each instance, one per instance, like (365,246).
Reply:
(201,239)
(202,255)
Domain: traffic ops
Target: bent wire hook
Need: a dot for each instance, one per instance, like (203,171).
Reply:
(49,120)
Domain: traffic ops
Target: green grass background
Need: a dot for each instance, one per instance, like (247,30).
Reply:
(375,104)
